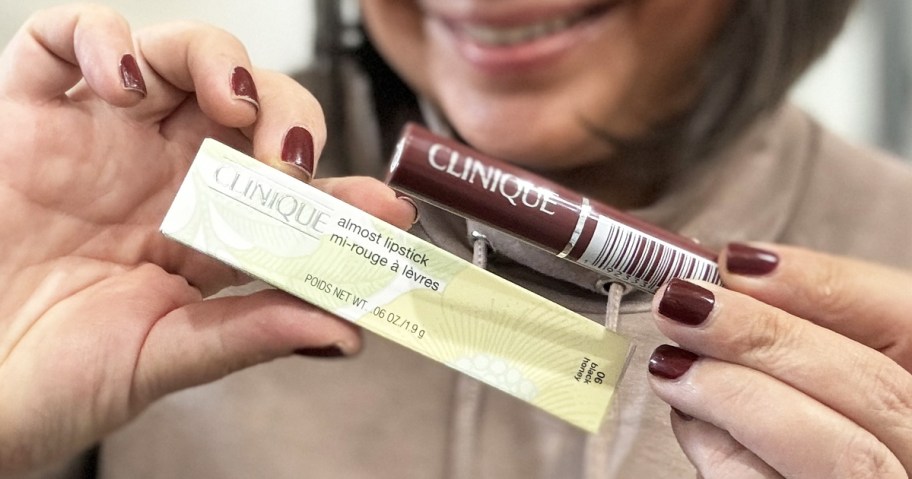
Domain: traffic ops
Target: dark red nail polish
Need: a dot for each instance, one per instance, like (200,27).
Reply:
(670,362)
(749,261)
(130,75)
(243,87)
(325,352)
(413,205)
(686,302)
(298,149)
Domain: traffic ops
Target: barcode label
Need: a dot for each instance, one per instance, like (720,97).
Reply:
(636,258)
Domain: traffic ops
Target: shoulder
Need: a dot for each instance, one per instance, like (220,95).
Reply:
(857,200)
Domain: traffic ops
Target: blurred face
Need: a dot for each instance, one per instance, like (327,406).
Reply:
(522,79)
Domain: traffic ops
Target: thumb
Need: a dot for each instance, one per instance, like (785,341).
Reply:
(204,341)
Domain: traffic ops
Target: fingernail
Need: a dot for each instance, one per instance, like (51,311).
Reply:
(686,302)
(332,351)
(243,87)
(412,203)
(670,362)
(749,261)
(298,150)
(130,75)
(684,417)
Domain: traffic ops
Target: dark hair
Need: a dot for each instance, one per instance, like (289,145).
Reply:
(761,51)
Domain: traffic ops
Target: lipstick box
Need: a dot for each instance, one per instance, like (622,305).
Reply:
(338,258)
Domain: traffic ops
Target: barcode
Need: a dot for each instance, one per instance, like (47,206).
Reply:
(631,256)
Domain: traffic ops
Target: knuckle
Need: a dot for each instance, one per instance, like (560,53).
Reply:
(736,389)
(307,97)
(284,81)
(305,104)
(767,337)
(201,27)
(863,456)
(892,401)
(224,36)
(101,11)
(102,14)
(721,458)
(76,11)
(829,283)
(162,284)
(212,35)
(191,26)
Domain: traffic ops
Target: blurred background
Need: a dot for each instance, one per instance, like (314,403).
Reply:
(862,88)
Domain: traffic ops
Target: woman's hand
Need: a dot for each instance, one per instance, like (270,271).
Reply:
(800,369)
(100,315)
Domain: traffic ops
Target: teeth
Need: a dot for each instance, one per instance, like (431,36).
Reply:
(510,36)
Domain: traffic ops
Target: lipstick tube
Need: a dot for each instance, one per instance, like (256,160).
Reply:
(540,212)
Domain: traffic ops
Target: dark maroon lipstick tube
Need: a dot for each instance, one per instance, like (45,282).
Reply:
(619,246)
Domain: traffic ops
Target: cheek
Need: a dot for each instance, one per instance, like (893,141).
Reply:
(656,71)
(673,37)
(542,131)
(396,29)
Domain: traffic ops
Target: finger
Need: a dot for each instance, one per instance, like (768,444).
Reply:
(716,454)
(289,133)
(793,433)
(866,302)
(59,46)
(374,197)
(855,380)
(204,341)
(187,126)
(187,57)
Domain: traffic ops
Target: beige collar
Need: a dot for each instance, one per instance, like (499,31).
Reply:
(749,191)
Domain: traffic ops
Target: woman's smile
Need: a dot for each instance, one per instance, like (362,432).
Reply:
(519,39)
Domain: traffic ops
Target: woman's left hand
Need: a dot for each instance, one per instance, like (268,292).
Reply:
(799,369)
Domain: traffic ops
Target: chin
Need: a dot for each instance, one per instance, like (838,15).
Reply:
(537,130)
(536,150)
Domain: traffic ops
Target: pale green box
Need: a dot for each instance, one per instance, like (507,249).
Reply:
(328,253)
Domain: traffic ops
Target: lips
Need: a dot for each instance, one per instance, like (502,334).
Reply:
(513,34)
(510,41)
(500,36)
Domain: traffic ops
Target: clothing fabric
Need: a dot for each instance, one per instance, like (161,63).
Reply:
(389,413)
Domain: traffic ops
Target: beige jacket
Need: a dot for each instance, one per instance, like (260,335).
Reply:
(390,413)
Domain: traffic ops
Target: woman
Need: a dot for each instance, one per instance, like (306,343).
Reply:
(652,106)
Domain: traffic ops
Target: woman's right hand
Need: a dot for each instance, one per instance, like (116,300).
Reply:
(100,314)
(800,367)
